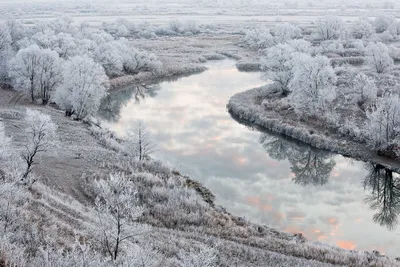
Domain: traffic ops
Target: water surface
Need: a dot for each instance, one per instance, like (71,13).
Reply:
(266,178)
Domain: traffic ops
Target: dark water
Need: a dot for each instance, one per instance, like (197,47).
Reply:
(266,178)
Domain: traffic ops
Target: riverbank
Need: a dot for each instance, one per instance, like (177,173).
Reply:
(247,106)
(178,223)
(183,56)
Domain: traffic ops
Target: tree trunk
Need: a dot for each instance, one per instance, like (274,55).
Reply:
(69,113)
(32,91)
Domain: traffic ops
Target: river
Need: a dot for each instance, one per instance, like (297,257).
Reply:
(265,178)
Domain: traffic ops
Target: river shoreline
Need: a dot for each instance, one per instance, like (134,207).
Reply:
(246,107)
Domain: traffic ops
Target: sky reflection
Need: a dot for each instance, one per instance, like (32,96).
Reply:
(263,178)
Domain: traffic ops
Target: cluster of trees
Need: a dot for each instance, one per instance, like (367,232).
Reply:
(383,27)
(309,83)
(260,39)
(325,31)
(69,64)
(124,28)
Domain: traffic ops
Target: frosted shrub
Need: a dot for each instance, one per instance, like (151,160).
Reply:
(258,39)
(379,58)
(394,28)
(386,37)
(329,28)
(364,89)
(394,52)
(286,32)
(383,22)
(362,29)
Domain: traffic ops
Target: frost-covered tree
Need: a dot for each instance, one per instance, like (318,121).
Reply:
(301,46)
(364,89)
(62,24)
(49,69)
(85,85)
(383,122)
(41,131)
(122,31)
(258,39)
(379,58)
(23,69)
(119,56)
(17,32)
(118,210)
(278,65)
(140,141)
(394,28)
(110,56)
(362,29)
(43,39)
(383,22)
(329,28)
(37,71)
(136,61)
(286,32)
(13,197)
(176,26)
(312,85)
(386,37)
(278,62)
(65,45)
(5,38)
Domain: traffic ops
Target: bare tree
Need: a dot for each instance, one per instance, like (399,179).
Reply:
(41,135)
(118,210)
(140,141)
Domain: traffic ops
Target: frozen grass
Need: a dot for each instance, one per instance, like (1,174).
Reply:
(248,66)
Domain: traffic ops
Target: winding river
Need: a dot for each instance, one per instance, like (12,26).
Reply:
(265,178)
